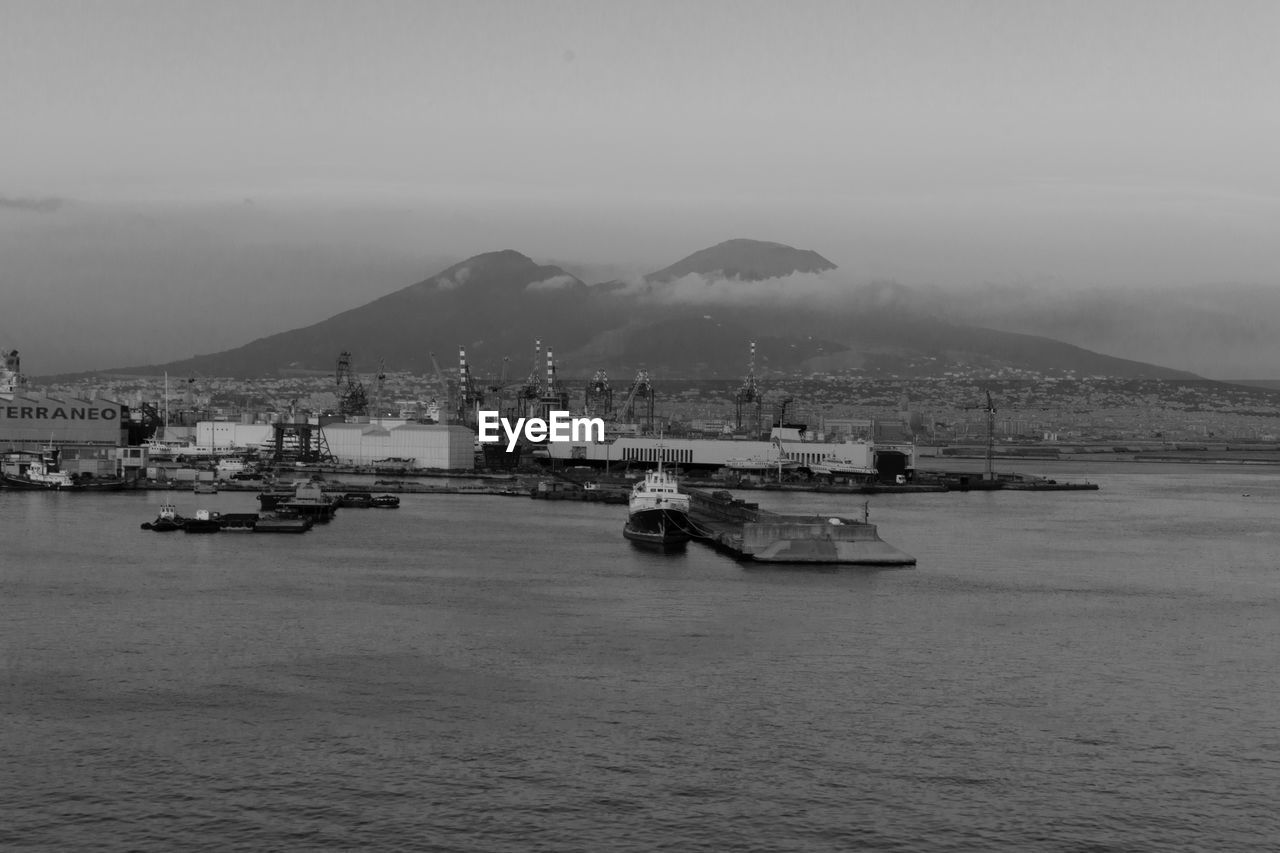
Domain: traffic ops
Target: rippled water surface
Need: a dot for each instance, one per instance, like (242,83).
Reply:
(1066,671)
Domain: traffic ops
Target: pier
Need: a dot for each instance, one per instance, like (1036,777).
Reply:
(748,532)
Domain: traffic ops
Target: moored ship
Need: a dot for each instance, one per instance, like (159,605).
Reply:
(42,472)
(659,513)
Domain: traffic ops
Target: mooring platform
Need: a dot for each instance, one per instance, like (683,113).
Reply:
(746,531)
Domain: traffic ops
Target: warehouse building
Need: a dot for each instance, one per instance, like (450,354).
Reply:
(89,434)
(417,445)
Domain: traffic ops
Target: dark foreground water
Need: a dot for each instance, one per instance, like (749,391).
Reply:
(1080,671)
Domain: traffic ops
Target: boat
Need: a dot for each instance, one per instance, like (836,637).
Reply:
(834,466)
(310,501)
(206,487)
(166,521)
(41,472)
(274,496)
(356,500)
(659,513)
(385,502)
(204,522)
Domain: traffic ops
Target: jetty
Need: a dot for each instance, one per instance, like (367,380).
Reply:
(748,532)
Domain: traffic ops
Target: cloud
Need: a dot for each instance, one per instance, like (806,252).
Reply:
(695,289)
(444,282)
(32,205)
(554,283)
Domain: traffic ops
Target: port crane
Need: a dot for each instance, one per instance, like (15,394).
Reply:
(379,385)
(642,387)
(352,397)
(445,406)
(531,390)
(990,408)
(598,400)
(499,388)
(748,393)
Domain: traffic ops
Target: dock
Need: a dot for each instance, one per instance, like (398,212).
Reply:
(748,532)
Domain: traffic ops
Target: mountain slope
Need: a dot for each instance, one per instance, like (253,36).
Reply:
(687,320)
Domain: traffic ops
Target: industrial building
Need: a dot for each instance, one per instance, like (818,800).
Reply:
(87,433)
(415,445)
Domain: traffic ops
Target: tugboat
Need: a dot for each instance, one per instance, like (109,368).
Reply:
(42,472)
(167,521)
(659,514)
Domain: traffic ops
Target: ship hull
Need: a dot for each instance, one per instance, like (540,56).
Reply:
(13,481)
(662,527)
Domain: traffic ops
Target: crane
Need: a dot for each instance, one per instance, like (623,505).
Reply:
(748,392)
(641,387)
(598,399)
(445,407)
(990,409)
(379,383)
(500,386)
(352,397)
(531,391)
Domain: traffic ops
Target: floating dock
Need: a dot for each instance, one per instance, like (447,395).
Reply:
(751,533)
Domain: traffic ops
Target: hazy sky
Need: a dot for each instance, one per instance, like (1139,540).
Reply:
(948,143)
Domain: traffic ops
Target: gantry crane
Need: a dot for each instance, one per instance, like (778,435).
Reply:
(642,387)
(598,399)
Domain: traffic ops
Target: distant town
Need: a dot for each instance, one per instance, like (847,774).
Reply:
(948,408)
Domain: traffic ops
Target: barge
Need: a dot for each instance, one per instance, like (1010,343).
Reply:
(751,533)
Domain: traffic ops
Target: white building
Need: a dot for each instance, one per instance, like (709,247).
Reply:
(419,445)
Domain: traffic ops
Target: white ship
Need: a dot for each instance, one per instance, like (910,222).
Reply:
(659,513)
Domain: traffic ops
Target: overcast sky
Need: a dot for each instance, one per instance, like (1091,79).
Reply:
(1103,143)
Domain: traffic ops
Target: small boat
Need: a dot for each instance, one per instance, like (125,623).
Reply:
(385,502)
(356,500)
(203,487)
(167,521)
(204,522)
(659,513)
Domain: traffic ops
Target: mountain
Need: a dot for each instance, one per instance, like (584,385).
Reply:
(486,303)
(693,319)
(748,260)
(1223,331)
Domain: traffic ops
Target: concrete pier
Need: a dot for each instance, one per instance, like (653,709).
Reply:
(749,532)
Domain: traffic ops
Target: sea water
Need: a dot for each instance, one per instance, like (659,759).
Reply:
(1061,671)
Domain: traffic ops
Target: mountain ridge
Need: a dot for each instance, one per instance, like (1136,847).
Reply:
(693,325)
